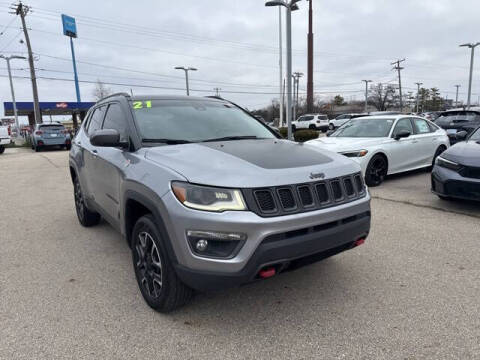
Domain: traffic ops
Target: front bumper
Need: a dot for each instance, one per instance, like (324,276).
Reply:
(449,183)
(279,241)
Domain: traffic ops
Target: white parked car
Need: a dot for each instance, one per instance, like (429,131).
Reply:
(342,119)
(311,121)
(387,144)
(5,137)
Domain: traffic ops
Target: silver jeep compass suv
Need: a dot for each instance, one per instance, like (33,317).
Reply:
(208,197)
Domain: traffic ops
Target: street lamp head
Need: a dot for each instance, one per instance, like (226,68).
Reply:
(18,57)
(192,69)
(179,68)
(275,3)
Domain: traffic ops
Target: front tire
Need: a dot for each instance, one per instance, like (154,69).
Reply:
(160,286)
(331,127)
(376,171)
(439,151)
(86,217)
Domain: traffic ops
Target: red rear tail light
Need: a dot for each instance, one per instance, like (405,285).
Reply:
(9,131)
(38,132)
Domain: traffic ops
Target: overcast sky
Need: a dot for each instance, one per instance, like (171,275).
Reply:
(234,45)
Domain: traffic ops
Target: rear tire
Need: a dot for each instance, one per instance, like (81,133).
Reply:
(376,170)
(2,149)
(36,148)
(86,217)
(159,284)
(68,147)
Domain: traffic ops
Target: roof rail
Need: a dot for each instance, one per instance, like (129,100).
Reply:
(115,94)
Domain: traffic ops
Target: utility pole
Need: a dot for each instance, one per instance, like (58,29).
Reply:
(398,68)
(217,91)
(418,92)
(366,94)
(472,47)
(456,96)
(280,63)
(22,10)
(310,59)
(296,80)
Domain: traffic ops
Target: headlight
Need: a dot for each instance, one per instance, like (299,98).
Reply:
(447,164)
(208,198)
(359,153)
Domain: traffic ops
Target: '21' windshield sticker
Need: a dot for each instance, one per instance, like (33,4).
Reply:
(142,104)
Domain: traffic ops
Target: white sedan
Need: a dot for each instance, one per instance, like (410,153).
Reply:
(387,144)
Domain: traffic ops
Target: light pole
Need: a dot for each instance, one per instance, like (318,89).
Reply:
(456,96)
(418,92)
(186,69)
(471,46)
(290,6)
(280,63)
(8,58)
(366,93)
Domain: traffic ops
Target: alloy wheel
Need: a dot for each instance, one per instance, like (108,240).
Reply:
(149,264)
(79,201)
(378,170)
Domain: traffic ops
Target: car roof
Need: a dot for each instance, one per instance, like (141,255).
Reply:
(475,109)
(159,97)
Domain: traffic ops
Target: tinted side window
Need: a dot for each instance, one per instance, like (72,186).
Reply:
(96,119)
(421,126)
(308,118)
(403,124)
(115,119)
(323,117)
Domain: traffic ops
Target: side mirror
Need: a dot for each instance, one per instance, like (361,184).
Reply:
(402,134)
(330,132)
(461,135)
(107,138)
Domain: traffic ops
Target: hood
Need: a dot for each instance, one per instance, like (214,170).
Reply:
(342,144)
(251,163)
(465,153)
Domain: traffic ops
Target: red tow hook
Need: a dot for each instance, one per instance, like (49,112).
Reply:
(359,242)
(266,273)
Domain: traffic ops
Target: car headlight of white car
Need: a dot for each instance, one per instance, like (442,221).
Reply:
(356,153)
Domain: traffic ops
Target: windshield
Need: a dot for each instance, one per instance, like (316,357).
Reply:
(367,127)
(195,121)
(475,136)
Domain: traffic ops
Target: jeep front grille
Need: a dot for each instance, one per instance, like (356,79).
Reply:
(290,199)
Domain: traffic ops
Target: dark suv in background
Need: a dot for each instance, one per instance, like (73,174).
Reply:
(457,120)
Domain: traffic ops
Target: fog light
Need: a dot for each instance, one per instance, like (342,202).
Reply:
(215,244)
(201,245)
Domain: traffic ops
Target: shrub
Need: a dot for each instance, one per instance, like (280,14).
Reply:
(300,135)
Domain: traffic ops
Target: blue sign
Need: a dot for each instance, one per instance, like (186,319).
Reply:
(69,26)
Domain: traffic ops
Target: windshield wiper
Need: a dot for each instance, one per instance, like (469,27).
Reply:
(167,141)
(227,138)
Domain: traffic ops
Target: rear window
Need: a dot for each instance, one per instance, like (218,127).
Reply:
(458,116)
(51,128)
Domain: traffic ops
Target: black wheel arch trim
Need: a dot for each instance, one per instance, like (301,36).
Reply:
(148,203)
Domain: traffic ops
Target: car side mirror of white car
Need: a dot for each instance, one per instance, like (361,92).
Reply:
(402,134)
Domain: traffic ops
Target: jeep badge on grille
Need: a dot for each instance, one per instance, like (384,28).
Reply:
(317,175)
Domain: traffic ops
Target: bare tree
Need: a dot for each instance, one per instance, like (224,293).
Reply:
(382,97)
(101,90)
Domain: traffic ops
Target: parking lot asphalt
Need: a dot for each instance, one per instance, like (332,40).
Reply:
(68,292)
